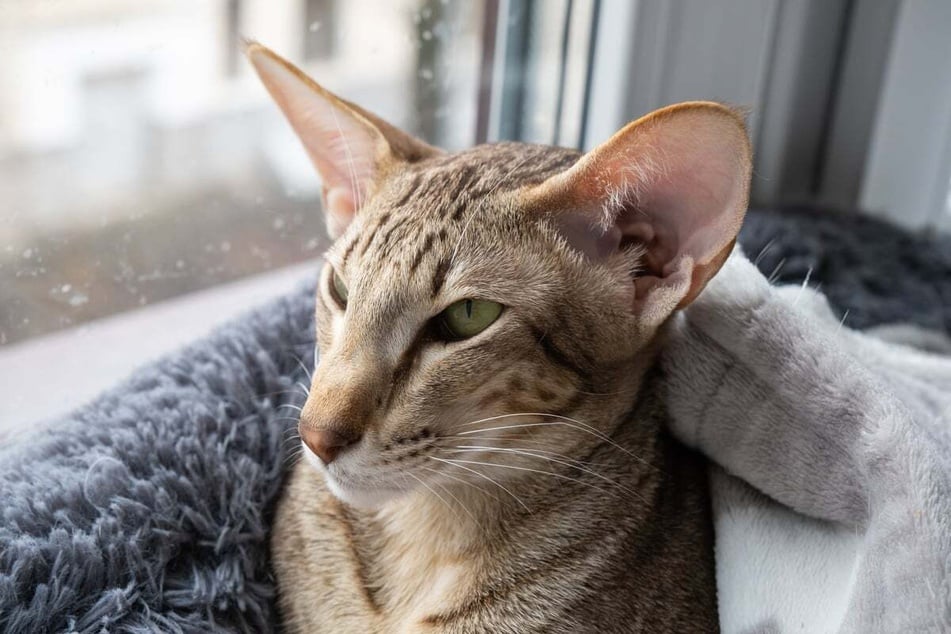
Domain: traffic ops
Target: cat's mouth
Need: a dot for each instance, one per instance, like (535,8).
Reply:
(352,490)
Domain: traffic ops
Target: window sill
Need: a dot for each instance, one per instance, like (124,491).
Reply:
(47,377)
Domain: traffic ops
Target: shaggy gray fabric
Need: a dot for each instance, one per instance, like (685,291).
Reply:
(149,509)
(879,273)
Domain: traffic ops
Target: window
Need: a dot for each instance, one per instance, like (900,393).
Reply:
(141,160)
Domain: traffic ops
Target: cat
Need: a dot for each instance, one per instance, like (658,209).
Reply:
(484,449)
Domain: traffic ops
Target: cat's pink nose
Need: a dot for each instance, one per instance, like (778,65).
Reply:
(326,443)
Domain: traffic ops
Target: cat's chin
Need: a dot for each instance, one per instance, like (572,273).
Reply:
(369,498)
(363,498)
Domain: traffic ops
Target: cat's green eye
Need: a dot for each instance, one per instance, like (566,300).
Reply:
(468,317)
(339,289)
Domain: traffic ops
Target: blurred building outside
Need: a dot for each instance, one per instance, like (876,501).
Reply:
(140,158)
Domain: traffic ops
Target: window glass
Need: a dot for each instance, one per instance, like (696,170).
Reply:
(140,159)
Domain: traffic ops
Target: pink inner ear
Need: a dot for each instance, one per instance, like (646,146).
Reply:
(694,207)
(583,234)
(675,181)
(684,179)
(345,159)
(342,146)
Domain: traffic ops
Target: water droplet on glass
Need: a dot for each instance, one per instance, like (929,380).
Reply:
(28,253)
(78,300)
(426,74)
(225,246)
(278,224)
(427,35)
(314,26)
(65,288)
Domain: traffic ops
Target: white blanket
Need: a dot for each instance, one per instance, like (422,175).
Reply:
(832,484)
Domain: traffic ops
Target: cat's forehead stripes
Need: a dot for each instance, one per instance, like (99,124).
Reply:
(424,212)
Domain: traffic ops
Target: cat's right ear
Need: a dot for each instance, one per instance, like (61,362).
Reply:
(349,146)
(674,185)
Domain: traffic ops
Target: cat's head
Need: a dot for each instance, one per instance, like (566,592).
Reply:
(497,306)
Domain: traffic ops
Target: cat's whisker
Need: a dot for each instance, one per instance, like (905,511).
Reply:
(450,494)
(775,274)
(493,418)
(568,463)
(433,491)
(484,476)
(520,441)
(294,407)
(805,284)
(461,504)
(292,456)
(762,253)
(303,367)
(543,414)
(556,423)
(540,471)
(560,420)
(278,392)
(534,453)
(443,474)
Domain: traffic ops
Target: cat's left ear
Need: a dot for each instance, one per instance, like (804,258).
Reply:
(349,146)
(675,182)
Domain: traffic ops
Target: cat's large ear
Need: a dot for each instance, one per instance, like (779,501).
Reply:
(349,146)
(675,182)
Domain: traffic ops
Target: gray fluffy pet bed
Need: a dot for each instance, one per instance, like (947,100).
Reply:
(149,509)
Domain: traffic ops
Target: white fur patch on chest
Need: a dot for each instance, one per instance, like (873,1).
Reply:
(425,594)
(424,576)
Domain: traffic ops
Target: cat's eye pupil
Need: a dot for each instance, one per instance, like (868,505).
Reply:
(468,317)
(340,291)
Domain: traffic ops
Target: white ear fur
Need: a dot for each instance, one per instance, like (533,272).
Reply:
(348,146)
(676,182)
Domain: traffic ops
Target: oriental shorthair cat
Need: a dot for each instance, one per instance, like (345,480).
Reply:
(484,449)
